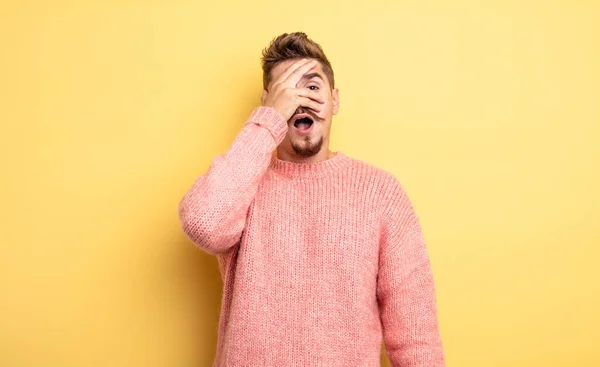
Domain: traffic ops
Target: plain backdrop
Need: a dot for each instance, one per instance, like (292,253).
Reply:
(487,111)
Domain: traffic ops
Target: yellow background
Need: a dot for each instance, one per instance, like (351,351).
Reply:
(488,112)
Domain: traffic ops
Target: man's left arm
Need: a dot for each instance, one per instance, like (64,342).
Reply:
(405,288)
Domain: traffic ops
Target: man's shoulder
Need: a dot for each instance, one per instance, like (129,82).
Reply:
(371,172)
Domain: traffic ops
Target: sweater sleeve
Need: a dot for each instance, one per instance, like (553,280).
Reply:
(213,211)
(405,288)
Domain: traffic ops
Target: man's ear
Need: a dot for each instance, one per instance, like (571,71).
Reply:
(263,97)
(335,95)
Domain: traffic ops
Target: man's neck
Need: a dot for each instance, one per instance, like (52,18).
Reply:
(324,154)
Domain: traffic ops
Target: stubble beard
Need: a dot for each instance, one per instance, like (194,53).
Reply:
(306,148)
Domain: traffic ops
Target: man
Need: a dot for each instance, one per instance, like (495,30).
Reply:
(321,254)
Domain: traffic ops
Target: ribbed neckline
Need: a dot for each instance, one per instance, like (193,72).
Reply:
(296,169)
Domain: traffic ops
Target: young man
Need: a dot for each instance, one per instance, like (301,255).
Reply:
(321,254)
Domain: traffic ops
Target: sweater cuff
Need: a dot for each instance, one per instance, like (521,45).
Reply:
(272,120)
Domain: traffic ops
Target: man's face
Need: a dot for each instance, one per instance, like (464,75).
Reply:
(308,131)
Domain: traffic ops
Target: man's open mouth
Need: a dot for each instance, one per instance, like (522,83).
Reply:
(303,123)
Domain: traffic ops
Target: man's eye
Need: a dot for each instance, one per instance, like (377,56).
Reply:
(313,87)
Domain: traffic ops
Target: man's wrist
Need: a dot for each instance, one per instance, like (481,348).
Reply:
(271,119)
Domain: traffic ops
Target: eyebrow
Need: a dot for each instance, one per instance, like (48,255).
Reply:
(313,75)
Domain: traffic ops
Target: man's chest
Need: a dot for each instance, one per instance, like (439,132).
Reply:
(319,224)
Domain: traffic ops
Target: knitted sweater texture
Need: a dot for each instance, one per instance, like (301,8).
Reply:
(320,262)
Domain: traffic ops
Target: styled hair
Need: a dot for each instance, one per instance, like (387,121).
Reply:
(289,46)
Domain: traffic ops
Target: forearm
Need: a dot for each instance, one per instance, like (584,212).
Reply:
(409,318)
(213,211)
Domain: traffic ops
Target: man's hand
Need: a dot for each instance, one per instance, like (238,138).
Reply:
(285,98)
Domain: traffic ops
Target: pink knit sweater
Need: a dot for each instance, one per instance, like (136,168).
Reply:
(319,261)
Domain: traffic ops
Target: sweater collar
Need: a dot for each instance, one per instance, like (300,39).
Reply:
(296,169)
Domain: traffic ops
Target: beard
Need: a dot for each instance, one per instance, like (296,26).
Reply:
(306,148)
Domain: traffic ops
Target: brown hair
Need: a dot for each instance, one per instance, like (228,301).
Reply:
(295,45)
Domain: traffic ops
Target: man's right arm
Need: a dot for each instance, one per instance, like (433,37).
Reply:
(213,211)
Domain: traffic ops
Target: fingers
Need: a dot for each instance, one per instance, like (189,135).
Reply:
(293,79)
(309,103)
(293,67)
(303,92)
